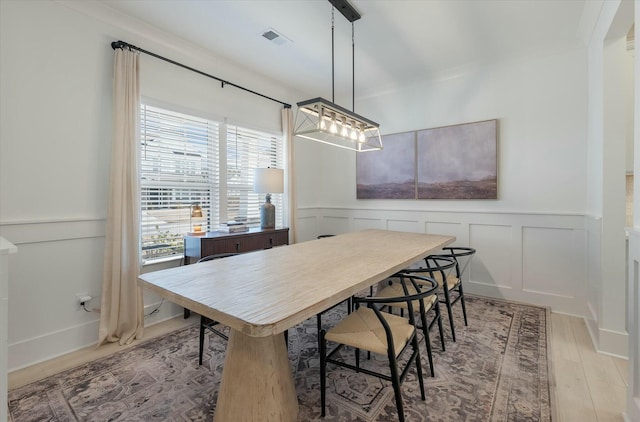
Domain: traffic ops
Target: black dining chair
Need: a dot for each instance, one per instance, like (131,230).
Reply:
(451,283)
(370,328)
(431,303)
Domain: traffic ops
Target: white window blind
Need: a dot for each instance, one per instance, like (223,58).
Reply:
(179,168)
(246,150)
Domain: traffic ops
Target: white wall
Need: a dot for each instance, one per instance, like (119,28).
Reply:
(531,242)
(541,106)
(56,82)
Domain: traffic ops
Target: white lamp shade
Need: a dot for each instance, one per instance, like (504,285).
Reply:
(268,180)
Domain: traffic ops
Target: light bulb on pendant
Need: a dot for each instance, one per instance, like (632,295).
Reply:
(354,133)
(344,132)
(361,137)
(321,123)
(333,128)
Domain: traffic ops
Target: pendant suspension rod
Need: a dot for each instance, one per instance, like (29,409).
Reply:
(122,44)
(333,84)
(353,69)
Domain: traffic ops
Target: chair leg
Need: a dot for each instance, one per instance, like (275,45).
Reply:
(319,327)
(464,309)
(358,360)
(449,311)
(286,338)
(427,341)
(323,370)
(395,380)
(419,367)
(439,319)
(202,321)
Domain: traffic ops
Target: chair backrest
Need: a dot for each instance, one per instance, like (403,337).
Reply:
(216,256)
(422,286)
(462,255)
(438,266)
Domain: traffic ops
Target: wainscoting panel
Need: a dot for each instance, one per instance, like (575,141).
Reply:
(403,225)
(532,258)
(544,270)
(594,275)
(360,223)
(492,264)
(57,261)
(338,224)
(460,231)
(306,227)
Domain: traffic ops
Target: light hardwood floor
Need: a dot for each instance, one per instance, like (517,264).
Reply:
(588,386)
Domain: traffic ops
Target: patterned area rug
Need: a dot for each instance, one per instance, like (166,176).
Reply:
(496,371)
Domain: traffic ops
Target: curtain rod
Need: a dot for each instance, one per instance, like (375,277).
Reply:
(122,44)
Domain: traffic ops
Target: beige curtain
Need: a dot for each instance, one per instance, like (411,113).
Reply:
(287,131)
(122,310)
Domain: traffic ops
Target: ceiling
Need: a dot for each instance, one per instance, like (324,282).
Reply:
(397,42)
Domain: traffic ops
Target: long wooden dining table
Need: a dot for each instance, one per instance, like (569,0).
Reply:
(261,294)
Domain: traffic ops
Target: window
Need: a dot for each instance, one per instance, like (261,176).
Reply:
(181,165)
(246,150)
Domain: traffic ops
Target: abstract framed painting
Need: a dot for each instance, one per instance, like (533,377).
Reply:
(389,173)
(458,162)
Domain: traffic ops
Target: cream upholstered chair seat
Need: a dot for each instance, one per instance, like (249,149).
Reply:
(452,280)
(362,329)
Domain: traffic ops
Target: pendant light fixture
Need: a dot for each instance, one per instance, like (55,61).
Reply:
(324,121)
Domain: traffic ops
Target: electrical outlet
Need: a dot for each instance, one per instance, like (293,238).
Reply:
(82,299)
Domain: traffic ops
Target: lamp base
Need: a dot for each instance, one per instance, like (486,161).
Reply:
(268,214)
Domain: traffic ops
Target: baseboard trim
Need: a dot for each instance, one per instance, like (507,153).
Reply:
(607,342)
(52,345)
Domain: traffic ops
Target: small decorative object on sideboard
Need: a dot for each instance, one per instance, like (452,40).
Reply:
(195,220)
(233,227)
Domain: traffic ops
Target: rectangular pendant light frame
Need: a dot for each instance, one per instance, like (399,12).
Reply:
(323,121)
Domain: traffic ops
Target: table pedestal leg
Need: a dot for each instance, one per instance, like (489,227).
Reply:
(257,384)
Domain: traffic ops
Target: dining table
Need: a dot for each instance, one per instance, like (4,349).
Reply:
(259,295)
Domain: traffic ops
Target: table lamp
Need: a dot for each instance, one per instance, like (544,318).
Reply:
(268,181)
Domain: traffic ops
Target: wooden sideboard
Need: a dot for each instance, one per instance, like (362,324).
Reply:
(196,247)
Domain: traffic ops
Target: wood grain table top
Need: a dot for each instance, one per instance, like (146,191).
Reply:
(265,292)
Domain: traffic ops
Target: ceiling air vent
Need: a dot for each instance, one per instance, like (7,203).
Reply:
(275,37)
